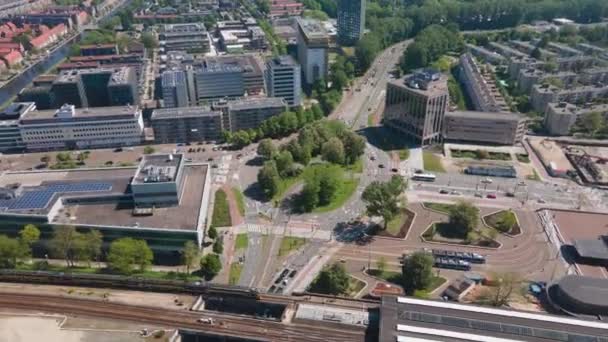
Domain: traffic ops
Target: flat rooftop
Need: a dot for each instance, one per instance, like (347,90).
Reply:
(426,82)
(80,113)
(159,166)
(574,226)
(504,116)
(248,63)
(183,112)
(406,318)
(313,29)
(257,103)
(585,289)
(181,217)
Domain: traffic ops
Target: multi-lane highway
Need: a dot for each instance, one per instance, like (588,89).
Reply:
(227,325)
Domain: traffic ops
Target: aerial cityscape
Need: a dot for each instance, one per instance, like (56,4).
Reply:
(304,170)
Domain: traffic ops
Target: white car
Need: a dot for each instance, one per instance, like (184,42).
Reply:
(486,181)
(205,320)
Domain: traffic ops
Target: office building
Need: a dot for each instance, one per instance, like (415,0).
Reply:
(283,80)
(164,201)
(10,133)
(71,128)
(249,113)
(98,87)
(175,89)
(351,21)
(251,67)
(313,45)
(416,105)
(189,37)
(218,81)
(186,125)
(484,127)
(410,319)
(42,96)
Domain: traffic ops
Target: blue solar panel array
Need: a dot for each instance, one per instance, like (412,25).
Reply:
(39,197)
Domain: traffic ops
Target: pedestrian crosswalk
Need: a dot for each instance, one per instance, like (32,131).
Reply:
(307,233)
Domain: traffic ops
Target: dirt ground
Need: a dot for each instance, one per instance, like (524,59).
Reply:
(118,296)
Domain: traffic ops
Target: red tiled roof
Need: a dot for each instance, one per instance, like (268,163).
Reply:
(12,57)
(13,46)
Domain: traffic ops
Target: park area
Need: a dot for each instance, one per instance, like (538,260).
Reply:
(505,221)
(461,225)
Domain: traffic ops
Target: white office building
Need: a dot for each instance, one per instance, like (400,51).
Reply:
(313,46)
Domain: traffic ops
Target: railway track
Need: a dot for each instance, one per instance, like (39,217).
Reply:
(228,325)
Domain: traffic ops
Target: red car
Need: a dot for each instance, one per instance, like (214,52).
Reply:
(492,196)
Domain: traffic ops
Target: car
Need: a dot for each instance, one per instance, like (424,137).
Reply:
(293,273)
(239,156)
(395,169)
(444,192)
(381,166)
(522,183)
(491,196)
(188,160)
(209,159)
(418,171)
(455,193)
(478,194)
(372,158)
(510,194)
(118,149)
(205,320)
(214,166)
(486,181)
(180,144)
(540,200)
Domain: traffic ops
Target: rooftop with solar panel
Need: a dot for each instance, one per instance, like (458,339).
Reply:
(161,193)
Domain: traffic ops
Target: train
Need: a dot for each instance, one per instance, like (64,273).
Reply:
(474,258)
(127,282)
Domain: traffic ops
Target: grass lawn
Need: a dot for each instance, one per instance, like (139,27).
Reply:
(348,188)
(534,177)
(235,273)
(523,158)
(221,210)
(289,244)
(394,226)
(240,199)
(395,278)
(504,221)
(103,270)
(432,163)
(404,154)
(242,240)
(284,185)
(355,286)
(442,207)
(357,167)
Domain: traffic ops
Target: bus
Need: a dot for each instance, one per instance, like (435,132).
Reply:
(452,263)
(425,177)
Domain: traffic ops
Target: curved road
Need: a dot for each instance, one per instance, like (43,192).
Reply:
(225,324)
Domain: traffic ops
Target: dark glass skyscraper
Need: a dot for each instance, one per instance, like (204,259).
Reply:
(351,21)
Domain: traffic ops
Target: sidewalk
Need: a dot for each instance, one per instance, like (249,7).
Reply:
(308,274)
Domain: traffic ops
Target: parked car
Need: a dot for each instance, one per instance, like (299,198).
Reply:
(444,192)
(492,196)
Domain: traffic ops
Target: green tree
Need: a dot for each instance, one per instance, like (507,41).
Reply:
(241,139)
(417,271)
(329,183)
(268,178)
(64,244)
(218,246)
(124,253)
(267,149)
(504,284)
(284,162)
(333,151)
(87,246)
(463,218)
(382,198)
(210,266)
(212,232)
(63,157)
(149,40)
(29,235)
(46,159)
(149,150)
(309,197)
(332,280)
(354,147)
(189,255)
(381,264)
(482,154)
(592,122)
(11,252)
(507,221)
(536,53)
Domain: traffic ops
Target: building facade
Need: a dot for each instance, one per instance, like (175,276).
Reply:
(484,127)
(214,82)
(174,89)
(185,125)
(71,128)
(10,133)
(313,46)
(283,80)
(189,37)
(251,112)
(416,106)
(351,21)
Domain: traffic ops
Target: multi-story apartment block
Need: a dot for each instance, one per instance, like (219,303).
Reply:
(285,8)
(351,21)
(283,79)
(561,116)
(416,105)
(70,128)
(543,94)
(484,127)
(483,93)
(313,46)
